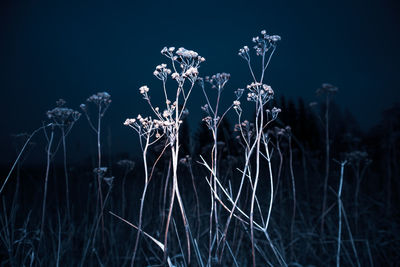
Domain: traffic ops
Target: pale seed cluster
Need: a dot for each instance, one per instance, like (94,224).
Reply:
(237,107)
(168,121)
(188,61)
(162,72)
(218,80)
(259,91)
(263,43)
(165,124)
(144,89)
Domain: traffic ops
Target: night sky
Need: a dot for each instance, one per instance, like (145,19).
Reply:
(51,50)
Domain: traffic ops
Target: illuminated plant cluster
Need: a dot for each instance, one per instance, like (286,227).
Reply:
(184,69)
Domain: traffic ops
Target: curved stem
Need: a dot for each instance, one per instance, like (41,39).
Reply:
(20,154)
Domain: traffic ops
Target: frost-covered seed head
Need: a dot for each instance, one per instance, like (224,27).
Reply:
(100,98)
(129,122)
(144,89)
(166,113)
(175,76)
(191,72)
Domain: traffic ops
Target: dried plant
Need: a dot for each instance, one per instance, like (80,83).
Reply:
(102,101)
(184,64)
(327,90)
(65,119)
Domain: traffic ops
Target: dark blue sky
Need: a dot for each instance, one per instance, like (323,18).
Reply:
(51,50)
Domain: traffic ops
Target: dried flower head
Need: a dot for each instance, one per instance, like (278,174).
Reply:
(144,89)
(274,112)
(129,122)
(162,72)
(239,93)
(259,92)
(263,44)
(175,76)
(62,115)
(218,80)
(191,72)
(188,60)
(101,98)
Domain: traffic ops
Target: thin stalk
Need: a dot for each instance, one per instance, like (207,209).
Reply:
(66,173)
(342,164)
(197,200)
(93,231)
(123,192)
(271,185)
(327,153)
(99,192)
(294,194)
(45,183)
(259,134)
(175,157)
(171,206)
(353,246)
(59,241)
(279,168)
(248,152)
(165,194)
(142,200)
